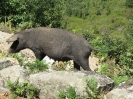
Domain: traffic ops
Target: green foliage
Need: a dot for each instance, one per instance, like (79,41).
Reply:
(3,54)
(20,58)
(92,84)
(43,13)
(129,3)
(62,95)
(123,54)
(130,26)
(70,93)
(92,90)
(100,14)
(104,70)
(119,79)
(88,35)
(77,8)
(117,73)
(104,43)
(105,25)
(36,66)
(24,89)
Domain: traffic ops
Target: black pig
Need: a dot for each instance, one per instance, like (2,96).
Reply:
(58,44)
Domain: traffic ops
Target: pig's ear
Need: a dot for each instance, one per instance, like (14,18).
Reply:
(12,38)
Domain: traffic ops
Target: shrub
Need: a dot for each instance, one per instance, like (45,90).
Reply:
(129,3)
(92,90)
(36,66)
(70,93)
(24,89)
(116,73)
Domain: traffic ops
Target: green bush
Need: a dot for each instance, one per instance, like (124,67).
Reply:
(119,79)
(122,58)
(43,13)
(70,93)
(36,66)
(24,89)
(104,70)
(116,73)
(123,50)
(129,3)
(92,90)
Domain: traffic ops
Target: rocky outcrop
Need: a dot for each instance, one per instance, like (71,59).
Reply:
(50,83)
(122,91)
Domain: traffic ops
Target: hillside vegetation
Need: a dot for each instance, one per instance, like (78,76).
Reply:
(107,16)
(106,24)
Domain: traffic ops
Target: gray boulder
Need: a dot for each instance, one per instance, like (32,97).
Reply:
(14,72)
(4,64)
(50,83)
(11,73)
(123,91)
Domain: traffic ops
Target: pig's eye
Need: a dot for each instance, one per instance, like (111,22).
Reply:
(15,44)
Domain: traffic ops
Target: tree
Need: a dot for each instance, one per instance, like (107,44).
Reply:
(31,13)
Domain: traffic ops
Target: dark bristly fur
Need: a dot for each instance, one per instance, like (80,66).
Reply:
(56,43)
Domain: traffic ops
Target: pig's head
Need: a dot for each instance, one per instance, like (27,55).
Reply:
(18,43)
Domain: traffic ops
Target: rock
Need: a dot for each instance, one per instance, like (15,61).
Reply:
(94,62)
(50,83)
(12,73)
(4,46)
(13,61)
(2,85)
(123,91)
(4,64)
(29,55)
